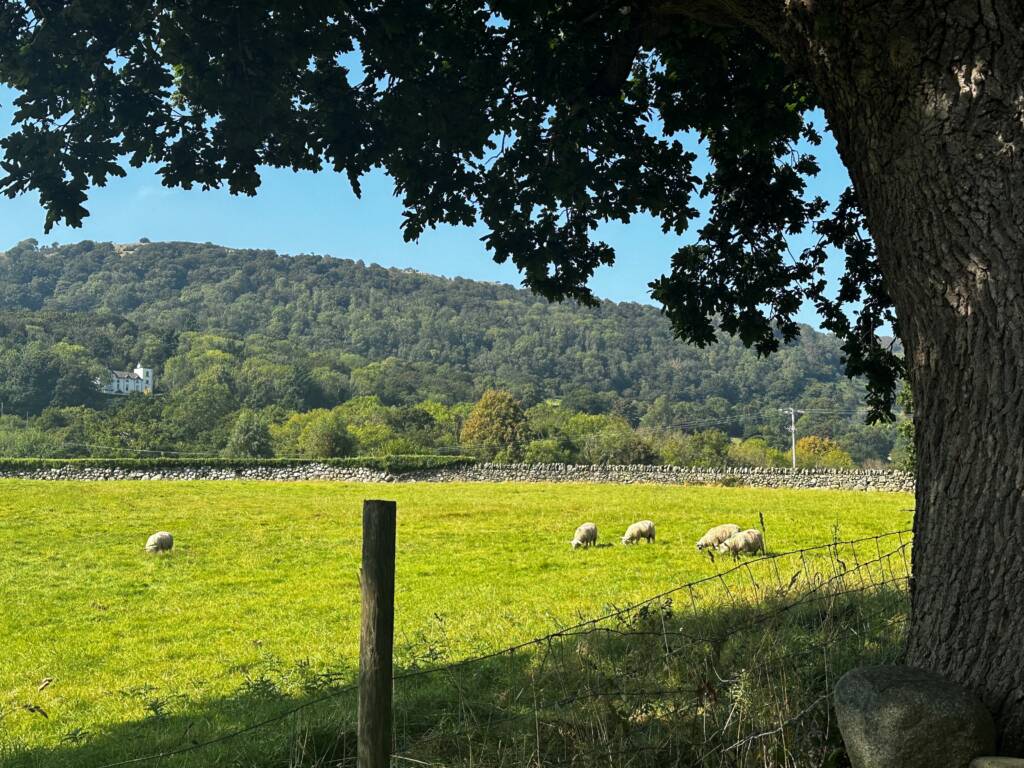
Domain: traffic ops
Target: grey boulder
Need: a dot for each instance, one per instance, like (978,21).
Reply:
(903,717)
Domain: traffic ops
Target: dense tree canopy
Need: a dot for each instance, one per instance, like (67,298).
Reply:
(235,334)
(538,120)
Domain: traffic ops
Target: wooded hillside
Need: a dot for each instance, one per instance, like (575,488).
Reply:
(230,329)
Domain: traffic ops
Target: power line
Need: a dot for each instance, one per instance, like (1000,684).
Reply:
(759,412)
(862,409)
(197,454)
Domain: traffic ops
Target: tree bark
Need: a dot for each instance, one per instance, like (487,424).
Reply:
(926,102)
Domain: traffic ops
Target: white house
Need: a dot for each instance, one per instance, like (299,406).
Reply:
(127,382)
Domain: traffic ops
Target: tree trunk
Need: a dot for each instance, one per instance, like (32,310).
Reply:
(926,102)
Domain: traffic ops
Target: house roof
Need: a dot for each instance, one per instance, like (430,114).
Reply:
(125,375)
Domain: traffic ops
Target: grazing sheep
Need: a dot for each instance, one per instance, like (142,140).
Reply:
(585,536)
(716,536)
(641,530)
(749,540)
(161,541)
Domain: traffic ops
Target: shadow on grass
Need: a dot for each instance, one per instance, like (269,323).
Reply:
(252,727)
(719,677)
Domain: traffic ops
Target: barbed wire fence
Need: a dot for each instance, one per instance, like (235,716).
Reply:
(732,670)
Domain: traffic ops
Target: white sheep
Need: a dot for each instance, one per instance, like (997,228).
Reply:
(641,530)
(161,541)
(716,536)
(585,536)
(749,540)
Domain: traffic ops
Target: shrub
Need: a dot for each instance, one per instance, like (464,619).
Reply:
(701,449)
(821,452)
(606,439)
(325,435)
(496,424)
(755,452)
(549,451)
(250,436)
(904,454)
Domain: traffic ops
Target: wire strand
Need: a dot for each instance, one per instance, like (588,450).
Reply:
(567,631)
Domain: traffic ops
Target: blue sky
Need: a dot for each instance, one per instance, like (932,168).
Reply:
(317,213)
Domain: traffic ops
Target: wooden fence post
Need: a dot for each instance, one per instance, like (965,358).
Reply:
(377,634)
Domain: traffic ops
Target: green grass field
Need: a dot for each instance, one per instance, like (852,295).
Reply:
(259,599)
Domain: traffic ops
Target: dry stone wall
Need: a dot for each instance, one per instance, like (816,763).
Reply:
(850,479)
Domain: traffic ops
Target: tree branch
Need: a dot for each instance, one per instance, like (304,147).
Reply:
(765,17)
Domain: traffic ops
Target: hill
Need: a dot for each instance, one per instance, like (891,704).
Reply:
(306,332)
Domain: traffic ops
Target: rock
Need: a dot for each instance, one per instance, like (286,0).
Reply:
(161,541)
(903,717)
(761,477)
(997,762)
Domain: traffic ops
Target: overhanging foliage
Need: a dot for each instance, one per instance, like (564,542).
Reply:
(539,120)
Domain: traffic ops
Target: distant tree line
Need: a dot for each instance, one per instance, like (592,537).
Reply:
(262,355)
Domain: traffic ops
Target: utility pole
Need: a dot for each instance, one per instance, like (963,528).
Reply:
(792,429)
